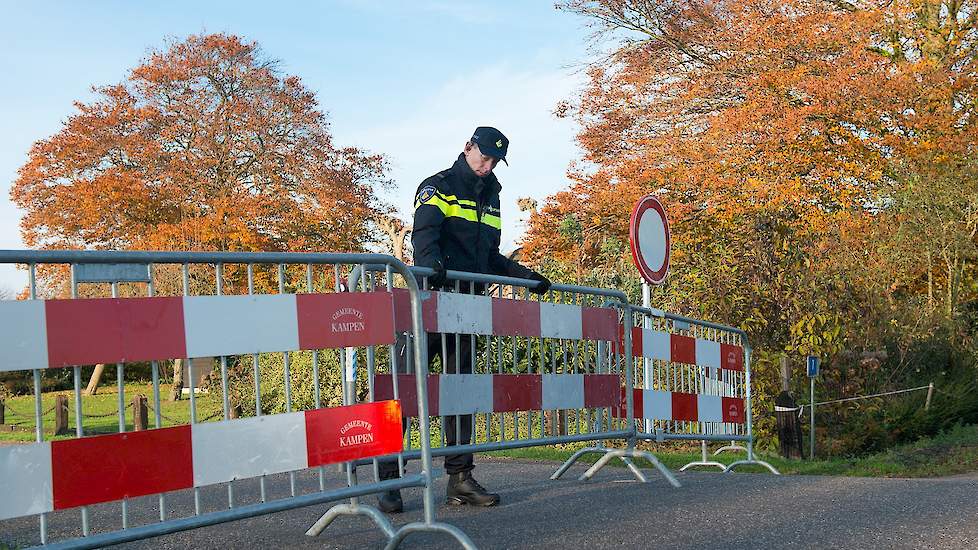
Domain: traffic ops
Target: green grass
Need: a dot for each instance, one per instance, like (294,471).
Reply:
(20,412)
(949,453)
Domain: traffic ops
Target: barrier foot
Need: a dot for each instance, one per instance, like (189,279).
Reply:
(352,510)
(732,447)
(759,462)
(703,461)
(418,527)
(625,455)
(574,458)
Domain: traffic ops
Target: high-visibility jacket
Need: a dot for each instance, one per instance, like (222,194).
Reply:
(457,223)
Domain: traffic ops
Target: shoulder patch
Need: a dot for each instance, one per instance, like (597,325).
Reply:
(425,193)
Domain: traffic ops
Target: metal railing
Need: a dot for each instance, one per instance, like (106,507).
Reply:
(257,320)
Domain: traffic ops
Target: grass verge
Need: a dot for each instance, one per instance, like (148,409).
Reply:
(952,452)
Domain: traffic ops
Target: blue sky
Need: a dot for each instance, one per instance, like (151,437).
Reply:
(406,79)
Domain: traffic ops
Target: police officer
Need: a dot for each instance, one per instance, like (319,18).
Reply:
(457,227)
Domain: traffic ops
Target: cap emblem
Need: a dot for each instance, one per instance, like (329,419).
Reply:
(499,143)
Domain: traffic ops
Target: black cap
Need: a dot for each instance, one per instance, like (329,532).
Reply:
(491,142)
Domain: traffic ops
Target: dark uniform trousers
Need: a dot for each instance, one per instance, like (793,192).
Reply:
(456,360)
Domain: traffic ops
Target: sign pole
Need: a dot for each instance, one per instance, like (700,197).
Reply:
(647,363)
(811,431)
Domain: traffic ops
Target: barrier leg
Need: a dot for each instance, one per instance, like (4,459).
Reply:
(352,509)
(450,530)
(751,460)
(732,447)
(574,458)
(703,461)
(631,453)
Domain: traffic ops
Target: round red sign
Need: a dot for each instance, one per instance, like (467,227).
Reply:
(649,235)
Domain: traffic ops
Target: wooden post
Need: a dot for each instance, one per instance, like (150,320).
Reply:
(92,388)
(60,415)
(2,419)
(139,413)
(930,393)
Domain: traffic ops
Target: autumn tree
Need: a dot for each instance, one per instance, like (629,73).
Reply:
(205,146)
(806,151)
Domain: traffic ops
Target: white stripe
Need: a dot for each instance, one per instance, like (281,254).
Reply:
(657,405)
(563,391)
(248,447)
(23,335)
(25,480)
(237,325)
(655,344)
(464,313)
(561,321)
(464,394)
(709,408)
(707,353)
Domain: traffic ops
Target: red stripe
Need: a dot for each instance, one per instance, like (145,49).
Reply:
(384,389)
(684,406)
(402,310)
(338,434)
(731,357)
(622,406)
(683,349)
(114,330)
(517,392)
(636,341)
(111,467)
(733,410)
(515,317)
(600,323)
(601,390)
(345,319)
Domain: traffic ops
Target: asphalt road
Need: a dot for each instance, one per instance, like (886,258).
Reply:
(710,511)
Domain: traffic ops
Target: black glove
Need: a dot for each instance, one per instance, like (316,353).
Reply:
(544,285)
(437,280)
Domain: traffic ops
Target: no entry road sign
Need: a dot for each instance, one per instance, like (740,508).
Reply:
(649,236)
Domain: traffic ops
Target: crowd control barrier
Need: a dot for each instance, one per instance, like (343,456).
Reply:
(138,309)
(692,382)
(543,370)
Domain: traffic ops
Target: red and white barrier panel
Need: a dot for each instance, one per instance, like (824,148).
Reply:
(36,334)
(451,394)
(454,313)
(677,348)
(55,475)
(665,405)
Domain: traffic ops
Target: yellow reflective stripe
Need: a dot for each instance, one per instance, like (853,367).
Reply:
(460,210)
(492,221)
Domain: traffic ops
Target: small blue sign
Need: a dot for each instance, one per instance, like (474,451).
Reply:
(813,364)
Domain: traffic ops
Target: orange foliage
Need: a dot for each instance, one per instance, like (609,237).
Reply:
(205,146)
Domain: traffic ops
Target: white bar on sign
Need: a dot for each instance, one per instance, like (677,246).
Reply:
(656,345)
(707,353)
(561,321)
(249,447)
(464,313)
(710,408)
(238,325)
(657,405)
(563,391)
(25,480)
(464,393)
(23,335)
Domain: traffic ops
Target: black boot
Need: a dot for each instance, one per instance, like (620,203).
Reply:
(464,489)
(390,501)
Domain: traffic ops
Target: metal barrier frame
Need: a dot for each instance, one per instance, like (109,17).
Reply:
(615,297)
(424,479)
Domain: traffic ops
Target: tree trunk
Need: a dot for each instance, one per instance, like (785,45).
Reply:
(176,392)
(92,388)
